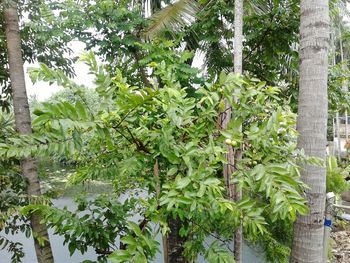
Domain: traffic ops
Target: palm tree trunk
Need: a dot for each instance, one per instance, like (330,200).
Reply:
(23,121)
(312,123)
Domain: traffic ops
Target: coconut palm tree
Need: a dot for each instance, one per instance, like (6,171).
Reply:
(23,121)
(312,124)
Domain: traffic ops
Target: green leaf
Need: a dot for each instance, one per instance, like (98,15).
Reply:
(135,228)
(182,182)
(82,113)
(129,240)
(71,248)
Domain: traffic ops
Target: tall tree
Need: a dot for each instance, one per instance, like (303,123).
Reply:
(23,121)
(237,63)
(311,124)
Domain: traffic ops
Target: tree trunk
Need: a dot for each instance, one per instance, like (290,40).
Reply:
(23,121)
(232,156)
(238,51)
(312,123)
(238,69)
(175,243)
(337,121)
(345,82)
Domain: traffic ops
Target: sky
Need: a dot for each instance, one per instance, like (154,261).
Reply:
(42,90)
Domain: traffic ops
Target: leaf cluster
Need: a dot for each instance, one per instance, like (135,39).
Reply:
(179,129)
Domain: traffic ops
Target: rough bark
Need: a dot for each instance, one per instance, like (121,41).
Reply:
(311,124)
(175,243)
(23,121)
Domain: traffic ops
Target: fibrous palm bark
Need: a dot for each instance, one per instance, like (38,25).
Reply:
(311,124)
(23,121)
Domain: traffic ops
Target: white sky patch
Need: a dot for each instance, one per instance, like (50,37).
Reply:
(42,90)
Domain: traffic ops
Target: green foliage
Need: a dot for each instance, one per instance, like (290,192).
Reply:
(178,128)
(275,252)
(95,223)
(84,95)
(140,245)
(15,248)
(112,28)
(277,244)
(150,107)
(336,176)
(218,254)
(44,40)
(161,54)
(266,130)
(12,196)
(338,97)
(272,35)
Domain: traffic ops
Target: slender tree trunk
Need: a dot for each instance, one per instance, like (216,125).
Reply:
(333,147)
(338,135)
(238,51)
(175,243)
(23,121)
(346,126)
(345,82)
(238,69)
(232,155)
(312,126)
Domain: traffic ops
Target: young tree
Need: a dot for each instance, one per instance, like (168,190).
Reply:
(23,122)
(312,123)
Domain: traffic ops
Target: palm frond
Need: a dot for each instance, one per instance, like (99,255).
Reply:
(173,18)
(258,7)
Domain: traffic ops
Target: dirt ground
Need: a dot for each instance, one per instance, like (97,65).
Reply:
(341,246)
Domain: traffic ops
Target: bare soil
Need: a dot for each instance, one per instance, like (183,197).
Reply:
(341,246)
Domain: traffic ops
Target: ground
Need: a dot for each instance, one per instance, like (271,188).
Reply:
(341,245)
